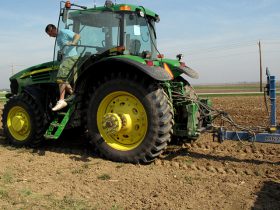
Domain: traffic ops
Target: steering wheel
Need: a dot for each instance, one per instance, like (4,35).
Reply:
(103,43)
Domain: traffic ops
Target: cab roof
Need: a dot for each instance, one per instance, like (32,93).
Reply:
(124,8)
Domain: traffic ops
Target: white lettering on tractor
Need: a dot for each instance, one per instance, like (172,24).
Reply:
(272,138)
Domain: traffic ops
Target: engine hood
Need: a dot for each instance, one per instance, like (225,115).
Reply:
(51,65)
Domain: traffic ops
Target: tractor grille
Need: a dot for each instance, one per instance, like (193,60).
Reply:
(41,76)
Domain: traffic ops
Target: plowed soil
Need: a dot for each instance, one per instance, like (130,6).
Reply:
(66,174)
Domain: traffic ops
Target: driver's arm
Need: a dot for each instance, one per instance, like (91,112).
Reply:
(76,38)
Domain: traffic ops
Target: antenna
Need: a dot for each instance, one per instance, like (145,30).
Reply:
(13,67)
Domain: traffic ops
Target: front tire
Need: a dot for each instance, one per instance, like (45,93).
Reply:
(23,122)
(129,120)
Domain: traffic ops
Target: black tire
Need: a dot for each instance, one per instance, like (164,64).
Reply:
(157,112)
(23,121)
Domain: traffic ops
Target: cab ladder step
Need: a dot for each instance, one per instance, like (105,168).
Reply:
(57,126)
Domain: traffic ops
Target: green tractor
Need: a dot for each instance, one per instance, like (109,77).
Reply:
(128,99)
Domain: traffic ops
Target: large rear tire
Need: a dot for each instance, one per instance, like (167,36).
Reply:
(129,120)
(23,122)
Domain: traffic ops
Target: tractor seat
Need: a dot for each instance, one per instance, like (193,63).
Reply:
(134,47)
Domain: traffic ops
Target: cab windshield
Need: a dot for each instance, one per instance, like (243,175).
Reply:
(103,30)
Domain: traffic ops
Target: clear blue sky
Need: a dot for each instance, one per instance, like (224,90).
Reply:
(217,37)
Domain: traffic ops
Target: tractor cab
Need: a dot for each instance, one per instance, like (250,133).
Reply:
(103,28)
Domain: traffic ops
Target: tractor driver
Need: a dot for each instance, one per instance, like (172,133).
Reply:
(65,39)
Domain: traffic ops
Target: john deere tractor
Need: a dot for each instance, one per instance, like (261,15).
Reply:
(128,98)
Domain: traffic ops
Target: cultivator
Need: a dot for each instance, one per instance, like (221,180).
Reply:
(270,134)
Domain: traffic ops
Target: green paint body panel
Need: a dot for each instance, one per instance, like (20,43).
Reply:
(38,74)
(171,62)
(173,65)
(52,66)
(189,129)
(192,124)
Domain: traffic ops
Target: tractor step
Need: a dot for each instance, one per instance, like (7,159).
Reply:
(50,136)
(57,126)
(61,113)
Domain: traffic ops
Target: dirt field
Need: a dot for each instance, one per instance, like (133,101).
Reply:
(202,175)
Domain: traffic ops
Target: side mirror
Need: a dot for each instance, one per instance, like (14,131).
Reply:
(157,18)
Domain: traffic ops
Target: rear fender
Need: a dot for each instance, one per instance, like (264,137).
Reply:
(120,64)
(156,72)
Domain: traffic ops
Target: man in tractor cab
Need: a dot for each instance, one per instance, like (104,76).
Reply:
(66,40)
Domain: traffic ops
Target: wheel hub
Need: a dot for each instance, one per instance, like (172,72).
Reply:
(113,123)
(18,123)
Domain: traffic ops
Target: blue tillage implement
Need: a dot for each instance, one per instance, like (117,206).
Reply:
(272,135)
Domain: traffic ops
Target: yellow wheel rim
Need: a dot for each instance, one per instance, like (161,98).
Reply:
(18,123)
(122,121)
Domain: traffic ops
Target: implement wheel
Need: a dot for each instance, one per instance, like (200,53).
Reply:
(22,121)
(129,120)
